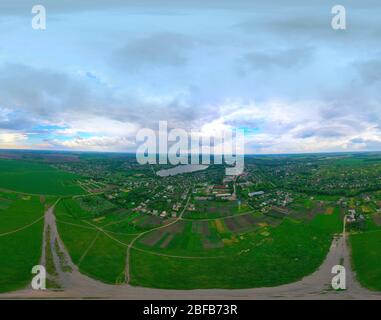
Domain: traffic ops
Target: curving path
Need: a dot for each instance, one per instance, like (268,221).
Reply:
(315,286)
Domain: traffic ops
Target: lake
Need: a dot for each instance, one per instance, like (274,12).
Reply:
(187,168)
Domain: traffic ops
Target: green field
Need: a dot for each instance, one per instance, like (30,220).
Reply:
(215,209)
(21,228)
(101,255)
(366,258)
(195,254)
(37,178)
(268,257)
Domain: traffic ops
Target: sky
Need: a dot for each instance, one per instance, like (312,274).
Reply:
(102,70)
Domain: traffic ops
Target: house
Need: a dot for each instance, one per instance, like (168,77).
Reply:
(351,216)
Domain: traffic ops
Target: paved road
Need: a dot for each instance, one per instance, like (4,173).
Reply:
(314,286)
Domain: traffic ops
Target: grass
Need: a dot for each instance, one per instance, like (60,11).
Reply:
(21,250)
(71,211)
(98,255)
(37,178)
(332,223)
(49,263)
(267,256)
(76,239)
(105,260)
(273,256)
(366,258)
(19,212)
(65,267)
(215,209)
(19,253)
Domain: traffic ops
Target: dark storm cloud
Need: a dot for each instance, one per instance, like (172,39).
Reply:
(41,92)
(33,94)
(17,121)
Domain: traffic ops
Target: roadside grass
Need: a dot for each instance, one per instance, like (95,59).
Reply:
(366,258)
(69,209)
(49,263)
(51,280)
(332,223)
(105,260)
(65,267)
(37,178)
(48,201)
(76,239)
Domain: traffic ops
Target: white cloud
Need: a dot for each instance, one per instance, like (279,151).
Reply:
(12,139)
(284,127)
(99,126)
(95,143)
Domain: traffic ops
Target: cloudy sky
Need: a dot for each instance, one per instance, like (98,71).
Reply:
(104,69)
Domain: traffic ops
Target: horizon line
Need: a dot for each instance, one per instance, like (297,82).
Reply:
(246,154)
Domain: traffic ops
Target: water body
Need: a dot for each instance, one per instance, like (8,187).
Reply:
(187,168)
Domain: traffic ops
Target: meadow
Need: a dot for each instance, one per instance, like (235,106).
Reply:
(366,258)
(21,228)
(99,253)
(37,178)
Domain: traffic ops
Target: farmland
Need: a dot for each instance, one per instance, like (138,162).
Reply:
(36,178)
(21,226)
